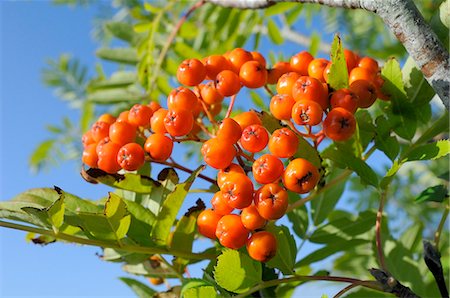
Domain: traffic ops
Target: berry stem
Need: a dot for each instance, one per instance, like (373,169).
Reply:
(210,117)
(357,282)
(107,244)
(176,165)
(230,106)
(437,234)
(269,91)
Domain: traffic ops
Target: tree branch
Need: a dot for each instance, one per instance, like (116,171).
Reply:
(403,19)
(391,285)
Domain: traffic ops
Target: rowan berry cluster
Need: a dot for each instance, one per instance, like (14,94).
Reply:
(256,168)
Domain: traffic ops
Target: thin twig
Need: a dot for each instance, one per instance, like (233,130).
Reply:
(230,106)
(437,234)
(379,240)
(345,290)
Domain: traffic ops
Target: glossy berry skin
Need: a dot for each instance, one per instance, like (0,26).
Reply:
(344,98)
(227,83)
(308,88)
(231,232)
(254,138)
(209,93)
(300,61)
(90,156)
(278,69)
(262,246)
(238,190)
(122,133)
(181,98)
(178,122)
(140,115)
(267,169)
(360,73)
(159,146)
(271,200)
(191,72)
(229,130)
(252,74)
(238,57)
(368,63)
(220,204)
(251,219)
(286,83)
(351,59)
(87,139)
(281,106)
(108,118)
(317,67)
(207,223)
(107,158)
(157,121)
(366,92)
(218,153)
(283,143)
(131,157)
(248,118)
(339,125)
(99,130)
(223,173)
(300,176)
(307,112)
(257,56)
(215,64)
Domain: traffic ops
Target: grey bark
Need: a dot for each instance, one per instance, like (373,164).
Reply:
(406,23)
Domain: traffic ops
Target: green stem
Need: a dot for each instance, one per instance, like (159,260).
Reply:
(437,234)
(365,283)
(303,201)
(378,239)
(113,245)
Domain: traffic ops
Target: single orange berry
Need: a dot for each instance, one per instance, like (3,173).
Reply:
(300,176)
(251,219)
(131,157)
(191,72)
(262,246)
(159,146)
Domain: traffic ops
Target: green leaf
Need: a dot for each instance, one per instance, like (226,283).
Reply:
(199,292)
(338,76)
(279,8)
(113,224)
(299,219)
(430,151)
(121,30)
(327,200)
(129,181)
(344,228)
(284,259)
(315,43)
(417,88)
(274,32)
(185,51)
(120,55)
(439,126)
(384,141)
(257,100)
(412,237)
(115,95)
(142,220)
(329,250)
(119,79)
(150,268)
(52,216)
(169,210)
(41,154)
(293,15)
(437,193)
(360,167)
(237,272)
(402,114)
(140,289)
(366,129)
(188,30)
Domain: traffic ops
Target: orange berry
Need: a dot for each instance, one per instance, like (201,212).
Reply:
(227,83)
(157,121)
(272,201)
(231,232)
(108,118)
(369,63)
(316,68)
(366,92)
(252,74)
(254,138)
(178,122)
(283,143)
(122,133)
(107,158)
(344,98)
(281,106)
(251,219)
(247,118)
(300,61)
(215,64)
(99,130)
(218,153)
(278,69)
(267,169)
(181,98)
(131,157)
(238,190)
(191,72)
(262,246)
(159,146)
(257,56)
(339,125)
(223,173)
(90,156)
(140,115)
(229,130)
(209,93)
(307,112)
(238,57)
(308,88)
(359,73)
(207,222)
(220,204)
(286,83)
(300,176)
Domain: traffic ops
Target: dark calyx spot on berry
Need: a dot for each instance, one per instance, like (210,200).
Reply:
(344,122)
(304,116)
(305,178)
(305,84)
(272,197)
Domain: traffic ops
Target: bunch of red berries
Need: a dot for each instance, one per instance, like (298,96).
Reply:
(304,103)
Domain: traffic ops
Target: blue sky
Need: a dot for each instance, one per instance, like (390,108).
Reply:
(31,32)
